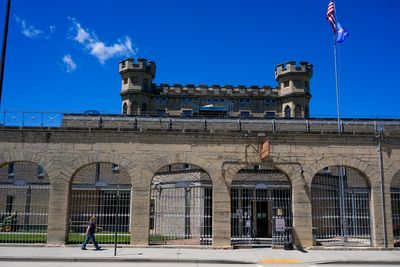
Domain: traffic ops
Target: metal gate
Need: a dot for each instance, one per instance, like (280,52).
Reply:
(261,211)
(341,207)
(181,206)
(395,196)
(24,201)
(101,190)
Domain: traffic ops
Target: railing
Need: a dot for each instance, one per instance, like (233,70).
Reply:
(164,123)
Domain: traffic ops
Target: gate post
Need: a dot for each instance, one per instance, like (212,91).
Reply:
(58,210)
(221,221)
(302,216)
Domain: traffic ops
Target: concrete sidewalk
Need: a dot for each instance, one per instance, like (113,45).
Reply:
(204,255)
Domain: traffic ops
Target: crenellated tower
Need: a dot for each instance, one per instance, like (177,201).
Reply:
(294,88)
(137,84)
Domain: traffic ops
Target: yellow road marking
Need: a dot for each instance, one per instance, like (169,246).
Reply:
(279,261)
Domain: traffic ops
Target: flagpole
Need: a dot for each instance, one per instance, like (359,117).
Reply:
(3,47)
(337,82)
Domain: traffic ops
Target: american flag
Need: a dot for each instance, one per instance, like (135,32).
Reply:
(330,15)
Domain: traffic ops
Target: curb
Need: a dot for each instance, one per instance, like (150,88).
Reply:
(355,262)
(112,259)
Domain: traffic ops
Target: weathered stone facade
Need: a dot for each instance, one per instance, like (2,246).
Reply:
(290,98)
(62,152)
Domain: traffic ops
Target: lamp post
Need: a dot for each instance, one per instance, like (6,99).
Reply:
(4,46)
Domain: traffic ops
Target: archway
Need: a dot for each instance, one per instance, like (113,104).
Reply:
(261,203)
(395,197)
(103,190)
(288,112)
(340,199)
(24,202)
(181,206)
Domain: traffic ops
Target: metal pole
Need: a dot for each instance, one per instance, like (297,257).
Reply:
(382,178)
(116,222)
(4,46)
(337,84)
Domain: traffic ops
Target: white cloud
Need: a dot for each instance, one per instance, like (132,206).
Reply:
(52,28)
(96,47)
(69,63)
(28,30)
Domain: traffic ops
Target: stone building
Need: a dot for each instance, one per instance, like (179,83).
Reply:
(289,99)
(188,180)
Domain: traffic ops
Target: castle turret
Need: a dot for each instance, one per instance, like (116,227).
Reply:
(137,80)
(294,88)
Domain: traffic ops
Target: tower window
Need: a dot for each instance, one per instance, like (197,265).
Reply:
(297,83)
(288,112)
(286,84)
(307,85)
(126,81)
(11,169)
(135,80)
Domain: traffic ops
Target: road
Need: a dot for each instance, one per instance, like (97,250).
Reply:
(151,264)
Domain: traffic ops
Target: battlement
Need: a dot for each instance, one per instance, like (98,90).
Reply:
(141,65)
(292,67)
(215,90)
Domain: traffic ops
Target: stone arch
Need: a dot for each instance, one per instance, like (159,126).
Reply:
(19,155)
(393,169)
(370,173)
(181,201)
(94,157)
(212,168)
(341,201)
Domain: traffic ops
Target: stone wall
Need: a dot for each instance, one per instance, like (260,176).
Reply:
(221,154)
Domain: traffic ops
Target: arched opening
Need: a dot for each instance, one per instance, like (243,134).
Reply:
(103,190)
(288,112)
(24,202)
(125,109)
(261,212)
(297,112)
(181,206)
(144,108)
(134,108)
(340,199)
(395,197)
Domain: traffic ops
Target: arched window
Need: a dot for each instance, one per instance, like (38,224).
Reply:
(288,112)
(297,111)
(144,107)
(124,109)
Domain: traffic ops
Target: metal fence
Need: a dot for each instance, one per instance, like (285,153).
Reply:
(146,122)
(103,190)
(111,206)
(341,207)
(181,206)
(261,207)
(23,213)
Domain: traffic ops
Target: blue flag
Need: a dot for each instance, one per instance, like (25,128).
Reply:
(342,34)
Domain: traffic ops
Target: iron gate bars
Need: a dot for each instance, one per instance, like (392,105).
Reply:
(181,206)
(261,211)
(94,193)
(341,207)
(24,199)
(395,197)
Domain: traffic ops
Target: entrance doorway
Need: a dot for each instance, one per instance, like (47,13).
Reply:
(263,221)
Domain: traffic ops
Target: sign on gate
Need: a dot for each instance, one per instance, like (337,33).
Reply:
(280,225)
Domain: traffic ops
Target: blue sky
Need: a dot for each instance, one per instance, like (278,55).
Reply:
(63,55)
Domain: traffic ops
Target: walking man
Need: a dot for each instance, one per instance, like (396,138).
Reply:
(90,232)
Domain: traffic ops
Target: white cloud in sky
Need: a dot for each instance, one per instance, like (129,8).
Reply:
(52,28)
(28,30)
(69,63)
(96,47)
